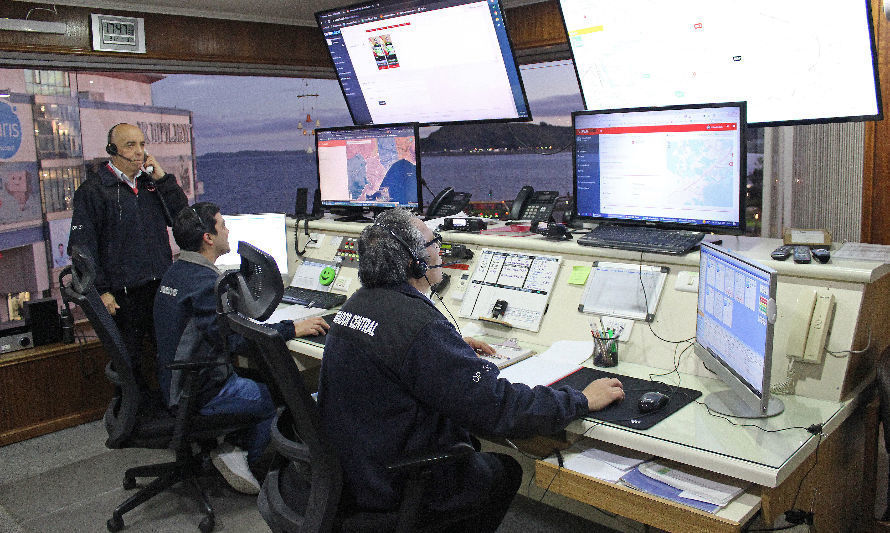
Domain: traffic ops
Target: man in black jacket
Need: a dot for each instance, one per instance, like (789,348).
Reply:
(121,214)
(397,379)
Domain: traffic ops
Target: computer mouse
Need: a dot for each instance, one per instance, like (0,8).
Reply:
(652,401)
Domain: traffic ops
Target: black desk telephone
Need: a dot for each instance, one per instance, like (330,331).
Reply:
(533,205)
(448,202)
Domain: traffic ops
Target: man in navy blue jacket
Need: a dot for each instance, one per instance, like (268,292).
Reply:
(188,329)
(397,379)
(121,214)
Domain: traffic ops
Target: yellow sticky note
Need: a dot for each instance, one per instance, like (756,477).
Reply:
(579,275)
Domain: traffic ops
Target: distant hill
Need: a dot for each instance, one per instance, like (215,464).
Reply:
(501,137)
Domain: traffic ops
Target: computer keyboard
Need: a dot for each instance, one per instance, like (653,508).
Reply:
(642,239)
(312,297)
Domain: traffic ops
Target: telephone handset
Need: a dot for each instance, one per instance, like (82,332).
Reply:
(808,335)
(533,205)
(448,202)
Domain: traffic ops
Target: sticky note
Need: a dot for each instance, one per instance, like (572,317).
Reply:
(579,275)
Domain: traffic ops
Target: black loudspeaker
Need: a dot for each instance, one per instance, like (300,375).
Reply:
(300,205)
(42,318)
(317,210)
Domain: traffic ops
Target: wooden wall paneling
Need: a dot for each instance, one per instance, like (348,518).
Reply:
(535,25)
(179,38)
(876,168)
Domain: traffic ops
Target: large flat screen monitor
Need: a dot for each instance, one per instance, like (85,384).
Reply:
(673,167)
(432,62)
(793,62)
(266,231)
(369,167)
(734,331)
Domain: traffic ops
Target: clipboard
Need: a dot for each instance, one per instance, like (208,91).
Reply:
(615,289)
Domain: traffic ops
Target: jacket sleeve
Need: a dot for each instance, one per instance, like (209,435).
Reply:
(442,371)
(172,194)
(87,228)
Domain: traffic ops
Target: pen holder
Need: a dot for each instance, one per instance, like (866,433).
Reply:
(605,349)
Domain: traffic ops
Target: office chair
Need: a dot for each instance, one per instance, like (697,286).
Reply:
(884,411)
(138,418)
(302,491)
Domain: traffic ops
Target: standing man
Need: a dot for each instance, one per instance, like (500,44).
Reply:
(397,379)
(188,329)
(121,214)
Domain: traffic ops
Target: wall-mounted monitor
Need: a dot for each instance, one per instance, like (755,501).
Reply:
(793,62)
(432,62)
(734,331)
(368,167)
(266,231)
(677,167)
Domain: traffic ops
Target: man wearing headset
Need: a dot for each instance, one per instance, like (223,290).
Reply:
(121,214)
(398,379)
(188,329)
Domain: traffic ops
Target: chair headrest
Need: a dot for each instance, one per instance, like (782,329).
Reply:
(255,289)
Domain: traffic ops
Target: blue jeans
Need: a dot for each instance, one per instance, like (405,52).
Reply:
(245,396)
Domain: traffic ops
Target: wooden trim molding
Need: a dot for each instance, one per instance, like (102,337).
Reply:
(876,166)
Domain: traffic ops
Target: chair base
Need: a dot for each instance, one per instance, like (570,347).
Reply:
(186,469)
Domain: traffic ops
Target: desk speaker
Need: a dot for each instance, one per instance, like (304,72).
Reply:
(42,318)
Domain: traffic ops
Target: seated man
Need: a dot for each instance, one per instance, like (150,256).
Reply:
(398,379)
(188,328)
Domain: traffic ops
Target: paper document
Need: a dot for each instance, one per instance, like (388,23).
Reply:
(308,274)
(600,459)
(536,371)
(507,353)
(295,313)
(863,252)
(636,479)
(692,486)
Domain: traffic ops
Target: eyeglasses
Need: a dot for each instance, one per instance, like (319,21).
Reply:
(437,239)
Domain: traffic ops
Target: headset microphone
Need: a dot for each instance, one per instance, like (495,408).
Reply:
(446,264)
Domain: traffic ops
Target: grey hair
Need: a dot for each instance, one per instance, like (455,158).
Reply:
(383,260)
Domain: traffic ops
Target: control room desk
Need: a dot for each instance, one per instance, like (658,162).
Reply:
(835,392)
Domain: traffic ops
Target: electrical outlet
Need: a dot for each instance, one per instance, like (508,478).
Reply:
(315,240)
(342,283)
(687,281)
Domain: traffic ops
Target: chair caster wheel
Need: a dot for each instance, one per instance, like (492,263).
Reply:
(129,483)
(115,523)
(207,525)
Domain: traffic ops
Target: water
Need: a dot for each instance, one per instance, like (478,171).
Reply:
(254,182)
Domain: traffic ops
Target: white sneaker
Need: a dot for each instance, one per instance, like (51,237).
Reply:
(231,462)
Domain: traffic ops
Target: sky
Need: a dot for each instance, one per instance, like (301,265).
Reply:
(232,113)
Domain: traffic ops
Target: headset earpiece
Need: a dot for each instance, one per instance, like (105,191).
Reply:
(111,149)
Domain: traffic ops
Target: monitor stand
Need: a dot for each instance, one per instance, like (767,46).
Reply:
(351,214)
(726,402)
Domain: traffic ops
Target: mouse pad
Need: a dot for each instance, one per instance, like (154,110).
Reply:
(627,413)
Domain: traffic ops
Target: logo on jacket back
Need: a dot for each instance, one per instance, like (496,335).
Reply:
(356,322)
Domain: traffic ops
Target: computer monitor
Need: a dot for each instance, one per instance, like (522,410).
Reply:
(792,64)
(734,331)
(266,231)
(433,62)
(361,167)
(673,167)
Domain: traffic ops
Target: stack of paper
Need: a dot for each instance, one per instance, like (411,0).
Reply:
(563,358)
(605,462)
(702,493)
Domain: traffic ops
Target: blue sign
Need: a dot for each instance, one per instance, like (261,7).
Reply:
(10,131)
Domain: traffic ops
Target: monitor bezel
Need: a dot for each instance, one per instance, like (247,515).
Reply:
(707,228)
(791,122)
(758,403)
(515,66)
(233,249)
(355,209)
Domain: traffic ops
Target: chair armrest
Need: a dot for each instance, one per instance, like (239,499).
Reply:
(427,460)
(194,365)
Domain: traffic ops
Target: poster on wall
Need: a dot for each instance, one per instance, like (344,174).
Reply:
(59,231)
(19,193)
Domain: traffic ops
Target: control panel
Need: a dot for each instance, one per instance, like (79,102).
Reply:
(348,252)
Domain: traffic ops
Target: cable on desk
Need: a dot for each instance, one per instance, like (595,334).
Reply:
(646,309)
(297,235)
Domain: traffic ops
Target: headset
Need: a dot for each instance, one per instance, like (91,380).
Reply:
(111,148)
(418,267)
(201,225)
